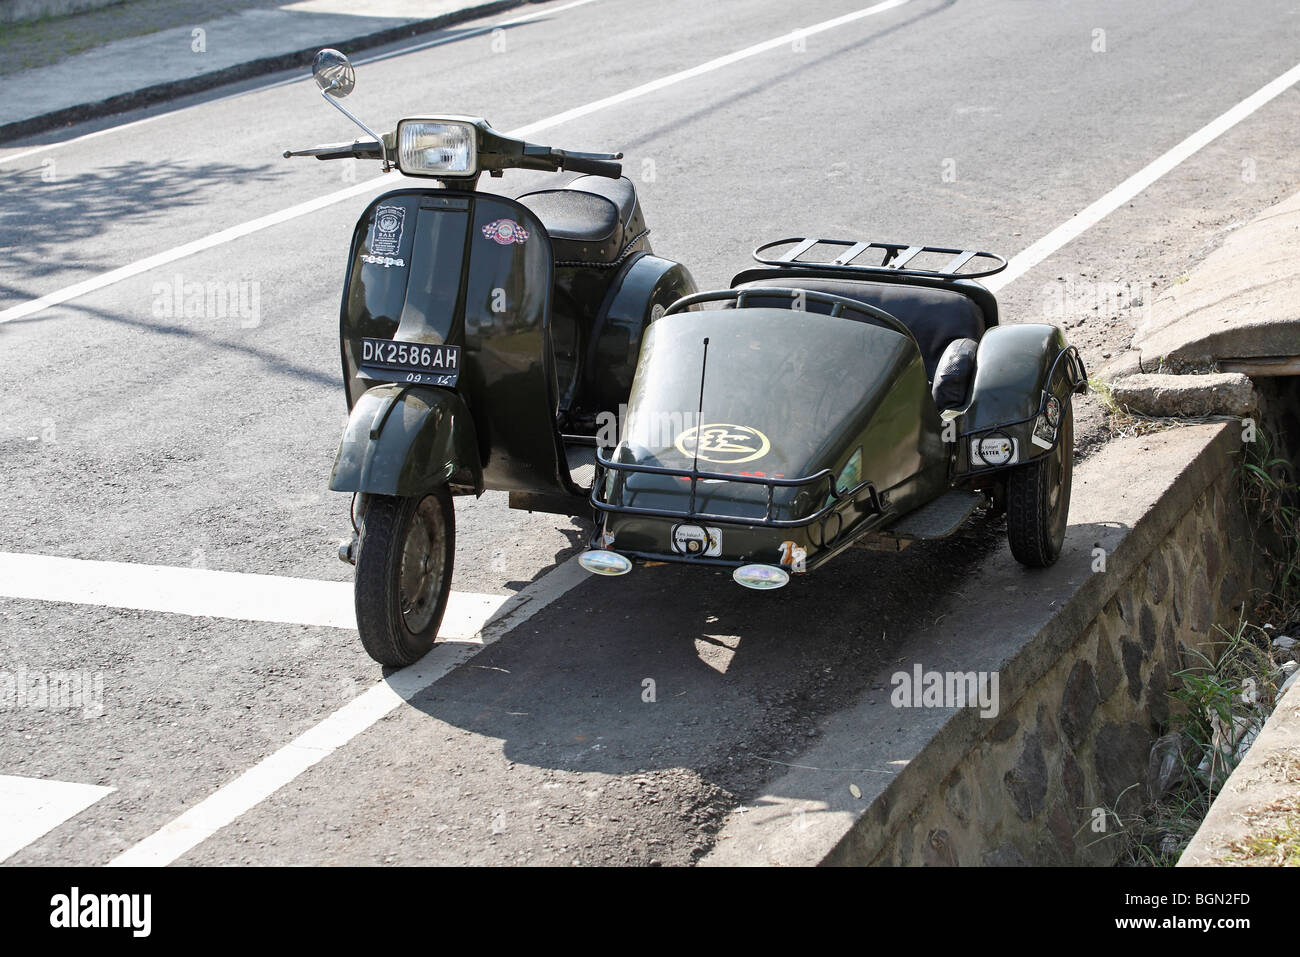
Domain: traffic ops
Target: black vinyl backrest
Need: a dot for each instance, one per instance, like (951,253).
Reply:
(935,316)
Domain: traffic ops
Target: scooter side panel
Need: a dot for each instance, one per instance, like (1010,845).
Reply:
(509,376)
(639,294)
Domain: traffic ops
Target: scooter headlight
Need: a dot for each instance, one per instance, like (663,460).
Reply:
(437,148)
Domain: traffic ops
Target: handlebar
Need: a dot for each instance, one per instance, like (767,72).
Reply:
(361,149)
(595,164)
(496,152)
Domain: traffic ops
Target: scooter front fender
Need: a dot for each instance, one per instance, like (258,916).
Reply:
(407,440)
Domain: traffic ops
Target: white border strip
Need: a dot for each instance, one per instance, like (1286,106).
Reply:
(32,807)
(272,773)
(202,592)
(79,289)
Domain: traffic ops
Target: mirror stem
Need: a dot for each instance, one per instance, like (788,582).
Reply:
(383,150)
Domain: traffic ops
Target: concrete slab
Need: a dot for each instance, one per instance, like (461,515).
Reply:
(1242,302)
(1222,393)
(1259,802)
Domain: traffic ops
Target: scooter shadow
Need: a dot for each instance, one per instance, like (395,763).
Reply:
(676,667)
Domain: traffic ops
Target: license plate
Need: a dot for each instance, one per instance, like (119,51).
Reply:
(419,362)
(697,540)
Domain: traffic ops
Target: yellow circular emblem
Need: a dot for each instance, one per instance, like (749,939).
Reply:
(723,443)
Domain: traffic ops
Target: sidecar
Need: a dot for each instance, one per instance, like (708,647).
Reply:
(827,400)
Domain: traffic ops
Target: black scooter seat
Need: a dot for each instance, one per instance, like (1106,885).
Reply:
(587,218)
(935,316)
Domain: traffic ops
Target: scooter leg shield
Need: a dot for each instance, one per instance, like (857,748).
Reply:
(407,440)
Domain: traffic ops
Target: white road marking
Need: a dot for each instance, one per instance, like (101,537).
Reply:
(76,290)
(785,40)
(30,807)
(413,48)
(272,773)
(1087,218)
(204,592)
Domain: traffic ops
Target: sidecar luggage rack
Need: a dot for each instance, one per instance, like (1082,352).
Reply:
(894,258)
(837,499)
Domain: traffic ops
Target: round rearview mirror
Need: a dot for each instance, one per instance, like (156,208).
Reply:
(334,73)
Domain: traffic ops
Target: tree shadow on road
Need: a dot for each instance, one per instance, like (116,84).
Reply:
(39,218)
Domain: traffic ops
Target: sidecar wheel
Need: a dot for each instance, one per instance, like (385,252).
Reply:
(404,563)
(1038,501)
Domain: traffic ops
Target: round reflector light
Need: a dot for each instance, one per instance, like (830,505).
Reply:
(761,577)
(601,562)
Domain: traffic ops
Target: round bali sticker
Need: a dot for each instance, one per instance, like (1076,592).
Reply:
(505,232)
(723,443)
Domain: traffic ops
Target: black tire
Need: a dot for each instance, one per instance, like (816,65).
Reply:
(1038,500)
(398,617)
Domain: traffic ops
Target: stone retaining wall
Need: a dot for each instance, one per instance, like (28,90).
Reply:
(1078,739)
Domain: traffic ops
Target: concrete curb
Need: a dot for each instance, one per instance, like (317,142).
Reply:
(1263,786)
(161,92)
(25,11)
(1238,306)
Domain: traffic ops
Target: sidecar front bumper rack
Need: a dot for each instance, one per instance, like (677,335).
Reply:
(839,500)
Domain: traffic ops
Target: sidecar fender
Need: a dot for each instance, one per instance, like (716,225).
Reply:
(1016,368)
(407,440)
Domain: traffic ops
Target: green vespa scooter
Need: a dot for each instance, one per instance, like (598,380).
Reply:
(482,335)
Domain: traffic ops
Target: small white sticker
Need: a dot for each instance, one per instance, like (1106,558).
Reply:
(794,557)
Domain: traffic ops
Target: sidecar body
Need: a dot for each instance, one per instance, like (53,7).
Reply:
(820,403)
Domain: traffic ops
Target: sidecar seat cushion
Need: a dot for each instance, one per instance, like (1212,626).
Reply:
(587,217)
(953,377)
(935,316)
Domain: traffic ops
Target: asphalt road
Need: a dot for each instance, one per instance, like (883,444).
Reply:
(205,442)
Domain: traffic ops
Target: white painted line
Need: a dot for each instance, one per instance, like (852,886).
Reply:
(272,773)
(79,289)
(1087,218)
(30,807)
(785,40)
(203,592)
(413,48)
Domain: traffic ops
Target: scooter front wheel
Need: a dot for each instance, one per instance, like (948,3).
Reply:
(403,578)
